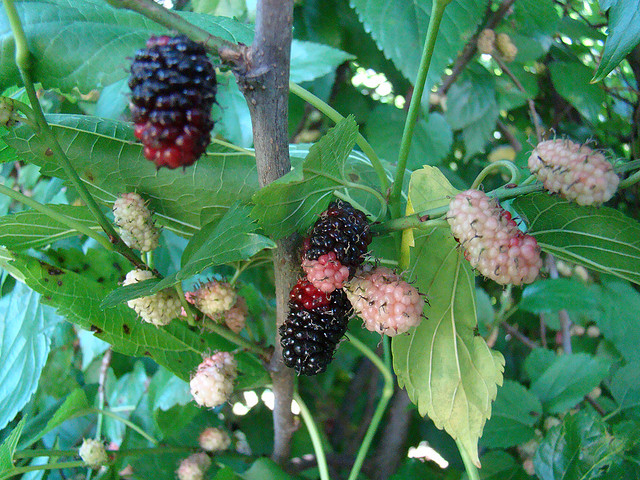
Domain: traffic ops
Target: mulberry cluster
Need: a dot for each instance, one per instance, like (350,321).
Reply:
(491,239)
(194,467)
(337,245)
(575,171)
(92,452)
(486,41)
(136,226)
(386,303)
(173,87)
(505,47)
(214,439)
(220,301)
(315,324)
(212,384)
(158,309)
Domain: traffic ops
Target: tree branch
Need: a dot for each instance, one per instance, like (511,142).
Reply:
(262,71)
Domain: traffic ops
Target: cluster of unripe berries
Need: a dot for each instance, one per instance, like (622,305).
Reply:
(195,466)
(335,287)
(488,43)
(220,302)
(173,87)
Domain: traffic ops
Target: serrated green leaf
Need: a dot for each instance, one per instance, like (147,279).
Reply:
(109,159)
(568,379)
(399,28)
(599,238)
(88,44)
(25,337)
(8,448)
(515,412)
(230,239)
(293,201)
(624,34)
(75,402)
(432,138)
(625,388)
(77,298)
(554,294)
(616,315)
(313,60)
(449,372)
(579,449)
(32,229)
(572,81)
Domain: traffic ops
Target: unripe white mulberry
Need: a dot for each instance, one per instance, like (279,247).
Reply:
(214,439)
(213,298)
(236,317)
(486,41)
(491,239)
(212,384)
(194,467)
(506,48)
(326,273)
(136,226)
(158,309)
(386,303)
(92,452)
(575,171)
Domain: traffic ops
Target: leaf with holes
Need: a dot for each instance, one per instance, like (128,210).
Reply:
(449,372)
(294,201)
(599,238)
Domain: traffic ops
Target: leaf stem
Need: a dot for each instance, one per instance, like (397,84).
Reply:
(132,452)
(20,107)
(314,433)
(57,216)
(472,470)
(49,466)
(334,115)
(630,180)
(437,12)
(387,392)
(23,62)
(486,171)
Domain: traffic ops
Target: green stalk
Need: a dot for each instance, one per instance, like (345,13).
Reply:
(631,180)
(334,115)
(23,62)
(57,216)
(486,171)
(387,392)
(48,466)
(472,470)
(233,337)
(315,437)
(437,11)
(132,452)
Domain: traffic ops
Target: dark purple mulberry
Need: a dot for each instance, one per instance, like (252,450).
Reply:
(173,87)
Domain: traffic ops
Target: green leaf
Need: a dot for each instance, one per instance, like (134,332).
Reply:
(552,295)
(264,468)
(600,238)
(166,391)
(25,337)
(107,156)
(231,239)
(294,201)
(399,28)
(572,81)
(313,60)
(129,292)
(537,362)
(32,229)
(432,138)
(78,298)
(499,465)
(579,449)
(75,403)
(8,448)
(231,112)
(616,316)
(624,34)
(515,412)
(448,371)
(568,379)
(625,388)
(126,392)
(88,44)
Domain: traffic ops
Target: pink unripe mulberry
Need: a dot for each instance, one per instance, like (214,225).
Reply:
(326,273)
(491,239)
(236,317)
(194,467)
(212,384)
(214,440)
(386,303)
(213,297)
(574,171)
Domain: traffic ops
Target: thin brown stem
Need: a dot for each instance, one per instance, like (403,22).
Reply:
(513,331)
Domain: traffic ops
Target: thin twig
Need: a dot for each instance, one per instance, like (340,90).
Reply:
(513,331)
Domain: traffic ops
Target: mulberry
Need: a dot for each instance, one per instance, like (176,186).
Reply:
(92,452)
(158,309)
(575,171)
(173,87)
(386,303)
(213,297)
(337,245)
(506,48)
(194,467)
(315,324)
(213,382)
(134,220)
(491,239)
(214,439)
